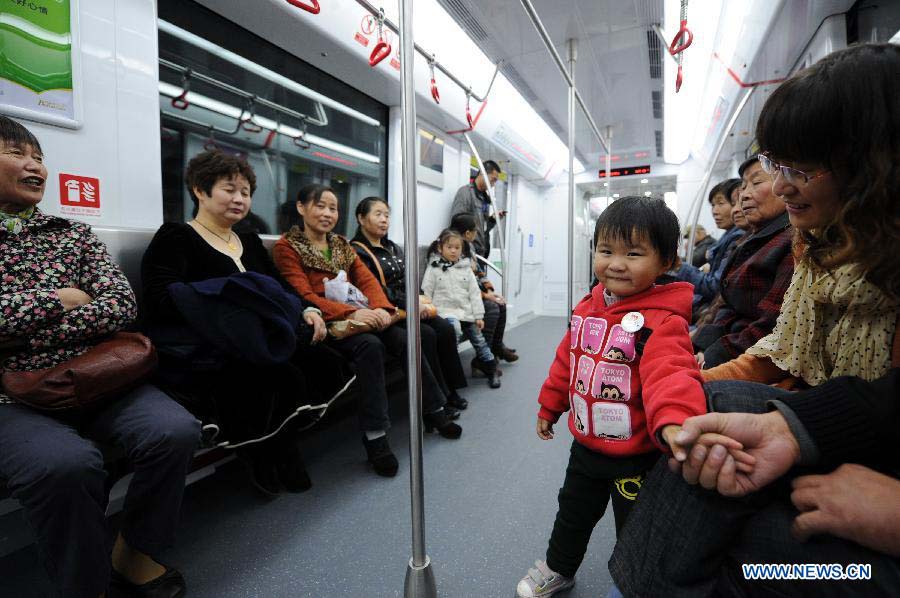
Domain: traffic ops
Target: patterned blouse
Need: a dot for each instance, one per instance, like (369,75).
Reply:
(50,253)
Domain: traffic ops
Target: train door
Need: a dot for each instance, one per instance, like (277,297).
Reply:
(527,250)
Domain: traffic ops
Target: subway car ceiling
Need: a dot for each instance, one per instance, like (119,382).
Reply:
(295,93)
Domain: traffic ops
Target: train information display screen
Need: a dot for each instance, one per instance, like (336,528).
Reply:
(626,171)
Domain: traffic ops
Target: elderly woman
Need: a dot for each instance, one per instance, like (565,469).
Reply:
(754,278)
(384,258)
(60,294)
(830,140)
(252,396)
(309,255)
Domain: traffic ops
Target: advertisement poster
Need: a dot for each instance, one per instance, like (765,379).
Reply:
(38,61)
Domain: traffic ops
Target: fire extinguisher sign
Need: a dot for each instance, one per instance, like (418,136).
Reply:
(79,195)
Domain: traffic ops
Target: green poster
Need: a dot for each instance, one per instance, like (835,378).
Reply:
(36,59)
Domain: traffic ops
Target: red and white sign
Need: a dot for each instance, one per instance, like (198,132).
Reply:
(79,195)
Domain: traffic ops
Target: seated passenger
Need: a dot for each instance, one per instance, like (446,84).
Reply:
(243,384)
(706,279)
(451,284)
(703,242)
(832,156)
(756,276)
(385,260)
(626,373)
(60,295)
(494,303)
(309,255)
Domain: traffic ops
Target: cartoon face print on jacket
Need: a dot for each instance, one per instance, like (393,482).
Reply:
(619,345)
(592,335)
(579,414)
(583,376)
(612,382)
(575,329)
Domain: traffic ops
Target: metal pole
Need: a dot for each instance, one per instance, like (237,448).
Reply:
(608,165)
(490,192)
(694,213)
(545,37)
(573,56)
(419,574)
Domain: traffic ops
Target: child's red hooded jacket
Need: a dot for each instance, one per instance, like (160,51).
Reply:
(624,387)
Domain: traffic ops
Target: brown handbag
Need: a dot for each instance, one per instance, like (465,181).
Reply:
(100,374)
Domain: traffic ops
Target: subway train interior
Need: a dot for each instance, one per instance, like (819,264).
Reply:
(571,105)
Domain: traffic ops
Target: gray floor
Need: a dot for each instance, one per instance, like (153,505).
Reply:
(490,502)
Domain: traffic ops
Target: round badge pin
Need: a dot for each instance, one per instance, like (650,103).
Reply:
(633,321)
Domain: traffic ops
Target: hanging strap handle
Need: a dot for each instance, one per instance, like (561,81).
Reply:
(247,123)
(374,261)
(469,110)
(681,42)
(181,102)
(311,6)
(382,49)
(435,94)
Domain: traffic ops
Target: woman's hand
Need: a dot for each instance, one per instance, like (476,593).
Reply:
(492,296)
(479,324)
(701,360)
(367,317)
(319,330)
(384,318)
(71,298)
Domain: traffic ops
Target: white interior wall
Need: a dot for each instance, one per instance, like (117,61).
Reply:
(118,142)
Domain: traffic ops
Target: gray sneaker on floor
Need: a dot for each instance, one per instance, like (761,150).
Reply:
(542,581)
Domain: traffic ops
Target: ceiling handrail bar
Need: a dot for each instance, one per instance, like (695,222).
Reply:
(429,56)
(245,95)
(545,37)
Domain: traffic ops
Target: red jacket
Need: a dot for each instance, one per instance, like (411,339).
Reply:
(626,386)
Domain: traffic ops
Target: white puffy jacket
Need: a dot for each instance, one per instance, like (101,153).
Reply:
(454,291)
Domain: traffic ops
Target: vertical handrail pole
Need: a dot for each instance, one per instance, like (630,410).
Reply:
(694,212)
(608,164)
(419,574)
(570,277)
(490,192)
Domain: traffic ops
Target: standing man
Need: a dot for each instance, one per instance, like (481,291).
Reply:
(474,199)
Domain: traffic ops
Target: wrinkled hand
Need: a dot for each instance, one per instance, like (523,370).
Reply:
(544,429)
(71,298)
(852,502)
(366,316)
(766,438)
(319,329)
(384,318)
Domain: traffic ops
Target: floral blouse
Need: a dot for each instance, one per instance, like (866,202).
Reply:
(50,253)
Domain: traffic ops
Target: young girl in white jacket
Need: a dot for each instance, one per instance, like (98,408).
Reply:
(451,284)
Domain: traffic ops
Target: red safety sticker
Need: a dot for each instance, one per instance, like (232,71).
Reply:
(79,195)
(361,39)
(395,63)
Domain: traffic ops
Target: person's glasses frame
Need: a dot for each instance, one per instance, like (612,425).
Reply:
(792,175)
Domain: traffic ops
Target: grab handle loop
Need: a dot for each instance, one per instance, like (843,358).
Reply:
(247,123)
(382,49)
(311,6)
(300,140)
(181,102)
(681,42)
(469,111)
(434,90)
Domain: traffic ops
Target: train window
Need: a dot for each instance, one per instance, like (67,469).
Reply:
(431,159)
(223,87)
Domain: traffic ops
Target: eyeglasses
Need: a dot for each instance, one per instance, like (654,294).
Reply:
(791,175)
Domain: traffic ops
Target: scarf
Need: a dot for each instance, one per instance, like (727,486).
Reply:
(14,223)
(342,254)
(443,264)
(831,324)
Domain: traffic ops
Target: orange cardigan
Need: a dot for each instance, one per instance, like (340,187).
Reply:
(310,283)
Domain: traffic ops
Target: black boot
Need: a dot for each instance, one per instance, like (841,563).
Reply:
(381,457)
(506,354)
(452,413)
(492,372)
(264,475)
(456,401)
(439,420)
(291,470)
(478,366)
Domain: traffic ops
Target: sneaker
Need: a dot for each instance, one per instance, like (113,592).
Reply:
(542,581)
(381,457)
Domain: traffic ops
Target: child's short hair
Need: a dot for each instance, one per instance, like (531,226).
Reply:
(631,219)
(446,235)
(463,223)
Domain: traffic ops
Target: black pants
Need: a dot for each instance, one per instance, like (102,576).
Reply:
(592,479)
(446,357)
(494,324)
(57,473)
(367,352)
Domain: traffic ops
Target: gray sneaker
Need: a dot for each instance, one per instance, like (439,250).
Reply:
(542,581)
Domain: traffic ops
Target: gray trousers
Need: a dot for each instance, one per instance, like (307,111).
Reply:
(56,473)
(682,540)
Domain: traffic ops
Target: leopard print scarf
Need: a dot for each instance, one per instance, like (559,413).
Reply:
(342,254)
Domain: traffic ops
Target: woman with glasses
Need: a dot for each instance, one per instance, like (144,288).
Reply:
(831,138)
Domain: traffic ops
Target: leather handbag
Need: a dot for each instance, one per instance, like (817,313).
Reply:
(344,328)
(102,373)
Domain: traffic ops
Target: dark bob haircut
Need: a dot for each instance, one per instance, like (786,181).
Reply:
(207,168)
(633,219)
(13,133)
(463,223)
(722,188)
(747,164)
(730,186)
(314,192)
(843,114)
(365,206)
